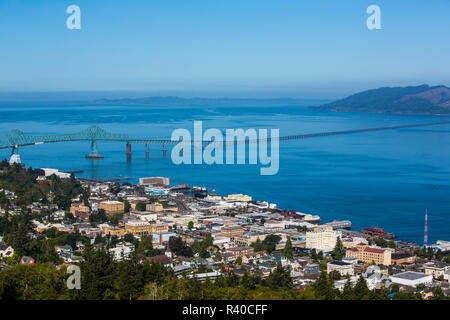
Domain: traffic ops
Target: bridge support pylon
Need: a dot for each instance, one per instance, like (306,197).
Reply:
(164,150)
(15,156)
(94,151)
(147,151)
(128,151)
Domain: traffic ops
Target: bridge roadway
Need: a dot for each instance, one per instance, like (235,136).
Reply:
(18,139)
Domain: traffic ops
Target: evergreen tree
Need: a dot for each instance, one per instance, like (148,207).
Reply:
(323,288)
(347,292)
(97,274)
(361,291)
(248,281)
(314,254)
(338,252)
(280,278)
(145,246)
(287,252)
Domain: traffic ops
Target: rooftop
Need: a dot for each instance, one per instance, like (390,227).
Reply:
(410,275)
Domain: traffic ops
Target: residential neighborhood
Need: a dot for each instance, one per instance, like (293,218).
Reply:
(205,237)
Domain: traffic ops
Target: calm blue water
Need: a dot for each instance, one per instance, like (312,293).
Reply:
(384,179)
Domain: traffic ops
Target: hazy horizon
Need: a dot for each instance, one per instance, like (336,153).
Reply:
(85,96)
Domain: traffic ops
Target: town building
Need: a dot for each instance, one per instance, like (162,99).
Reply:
(411,278)
(49,172)
(141,227)
(154,180)
(248,238)
(154,207)
(436,269)
(240,251)
(112,206)
(370,255)
(322,238)
(351,242)
(443,246)
(77,208)
(344,268)
(402,258)
(122,250)
(238,197)
(113,230)
(232,231)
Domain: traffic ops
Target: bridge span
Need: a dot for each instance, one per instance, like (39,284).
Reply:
(16,138)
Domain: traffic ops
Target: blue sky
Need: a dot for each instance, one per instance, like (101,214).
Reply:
(286,48)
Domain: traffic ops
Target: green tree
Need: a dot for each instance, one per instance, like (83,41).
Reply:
(280,278)
(270,242)
(323,288)
(126,206)
(314,254)
(145,246)
(97,275)
(338,252)
(320,255)
(141,206)
(347,292)
(128,237)
(248,281)
(287,252)
(361,291)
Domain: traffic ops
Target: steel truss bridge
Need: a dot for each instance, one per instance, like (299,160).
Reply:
(16,138)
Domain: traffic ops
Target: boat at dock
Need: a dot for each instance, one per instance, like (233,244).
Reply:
(180,187)
(199,192)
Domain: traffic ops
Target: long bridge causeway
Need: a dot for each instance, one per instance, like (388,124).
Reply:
(17,139)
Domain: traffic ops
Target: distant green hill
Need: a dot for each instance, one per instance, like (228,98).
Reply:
(402,100)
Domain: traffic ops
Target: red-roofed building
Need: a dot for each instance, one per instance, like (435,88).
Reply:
(368,254)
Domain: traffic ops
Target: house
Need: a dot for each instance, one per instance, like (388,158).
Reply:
(267,266)
(162,259)
(437,269)
(447,275)
(311,270)
(64,250)
(27,260)
(6,251)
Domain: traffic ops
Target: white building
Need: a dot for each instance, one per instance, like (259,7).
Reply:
(123,250)
(219,240)
(146,216)
(322,238)
(344,268)
(411,278)
(56,172)
(441,245)
(436,269)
